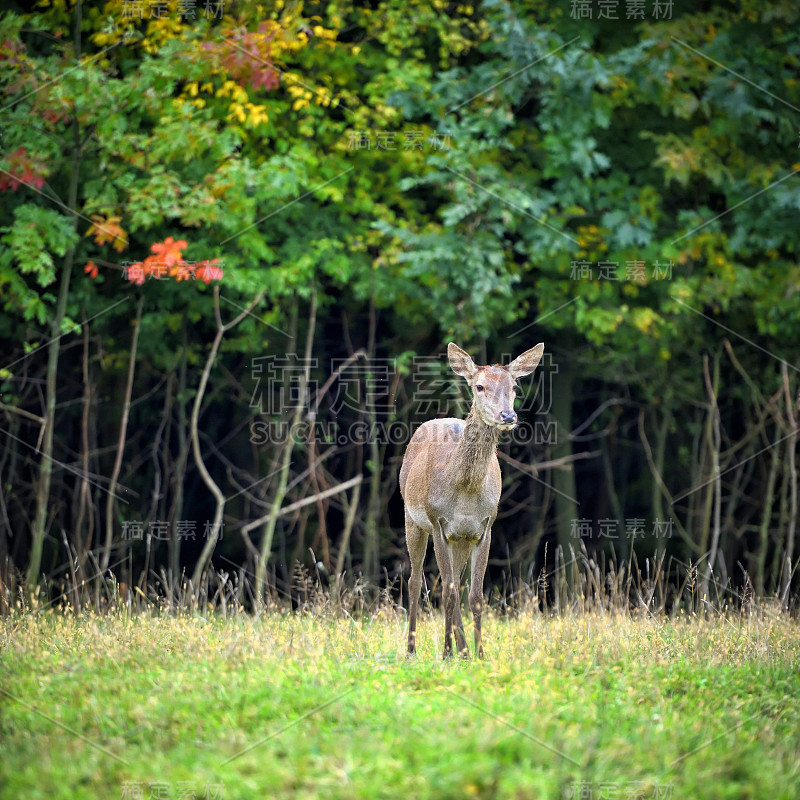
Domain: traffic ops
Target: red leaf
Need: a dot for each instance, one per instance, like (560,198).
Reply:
(21,170)
(208,271)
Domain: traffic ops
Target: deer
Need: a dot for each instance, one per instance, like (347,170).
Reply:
(450,483)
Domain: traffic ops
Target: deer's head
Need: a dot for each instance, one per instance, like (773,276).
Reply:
(494,387)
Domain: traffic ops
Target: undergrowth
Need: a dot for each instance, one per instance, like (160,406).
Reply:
(601,682)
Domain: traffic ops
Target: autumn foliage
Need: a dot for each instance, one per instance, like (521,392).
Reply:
(108,230)
(167,262)
(247,56)
(23,170)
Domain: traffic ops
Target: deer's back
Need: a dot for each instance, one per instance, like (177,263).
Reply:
(431,445)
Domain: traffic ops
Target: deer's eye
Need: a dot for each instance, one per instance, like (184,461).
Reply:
(479,388)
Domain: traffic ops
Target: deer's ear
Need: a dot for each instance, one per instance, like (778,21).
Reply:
(460,362)
(527,362)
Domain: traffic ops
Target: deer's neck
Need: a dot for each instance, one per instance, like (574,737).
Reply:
(474,453)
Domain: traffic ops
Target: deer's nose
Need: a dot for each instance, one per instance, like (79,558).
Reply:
(507,417)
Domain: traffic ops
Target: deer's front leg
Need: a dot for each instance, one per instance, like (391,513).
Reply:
(449,591)
(480,558)
(417,542)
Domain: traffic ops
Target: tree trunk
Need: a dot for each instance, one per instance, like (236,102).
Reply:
(283,475)
(268,533)
(791,413)
(219,497)
(714,443)
(84,491)
(766,515)
(371,543)
(123,432)
(53,348)
(566,504)
(184,443)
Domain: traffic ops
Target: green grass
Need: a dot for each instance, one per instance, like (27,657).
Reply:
(594,706)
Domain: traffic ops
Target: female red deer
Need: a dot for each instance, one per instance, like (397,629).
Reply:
(450,483)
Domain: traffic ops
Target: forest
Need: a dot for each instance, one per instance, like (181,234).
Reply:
(236,239)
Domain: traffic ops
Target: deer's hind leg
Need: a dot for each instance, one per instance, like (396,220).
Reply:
(480,558)
(459,555)
(417,543)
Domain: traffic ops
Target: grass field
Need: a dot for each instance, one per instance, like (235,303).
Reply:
(596,707)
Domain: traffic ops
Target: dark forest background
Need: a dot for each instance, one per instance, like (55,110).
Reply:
(236,239)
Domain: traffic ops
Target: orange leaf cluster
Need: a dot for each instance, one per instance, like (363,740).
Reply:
(169,251)
(107,230)
(167,262)
(91,269)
